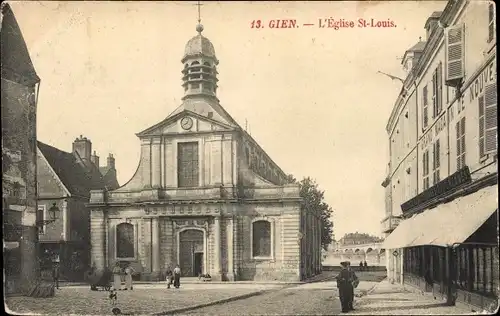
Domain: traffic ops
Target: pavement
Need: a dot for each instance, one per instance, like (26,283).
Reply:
(392,299)
(143,300)
(147,298)
(319,298)
(373,297)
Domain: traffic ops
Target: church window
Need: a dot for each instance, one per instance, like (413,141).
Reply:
(187,164)
(261,239)
(125,241)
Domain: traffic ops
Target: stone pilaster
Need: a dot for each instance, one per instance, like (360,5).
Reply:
(146,163)
(98,238)
(230,249)
(155,164)
(217,249)
(155,242)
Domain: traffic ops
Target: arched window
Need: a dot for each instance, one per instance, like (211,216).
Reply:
(195,63)
(369,250)
(261,239)
(207,64)
(125,241)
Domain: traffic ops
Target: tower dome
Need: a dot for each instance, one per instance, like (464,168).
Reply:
(200,67)
(199,45)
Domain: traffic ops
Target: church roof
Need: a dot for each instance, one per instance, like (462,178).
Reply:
(78,178)
(16,62)
(199,45)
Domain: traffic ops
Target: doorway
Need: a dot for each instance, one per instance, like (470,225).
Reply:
(198,263)
(191,254)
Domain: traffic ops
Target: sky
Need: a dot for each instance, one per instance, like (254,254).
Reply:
(312,97)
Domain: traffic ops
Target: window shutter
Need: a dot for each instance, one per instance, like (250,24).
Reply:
(434,94)
(426,162)
(491,22)
(437,158)
(433,156)
(462,141)
(440,87)
(490,118)
(424,109)
(481,125)
(455,52)
(459,151)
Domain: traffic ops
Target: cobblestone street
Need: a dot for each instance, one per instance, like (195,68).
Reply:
(393,299)
(142,300)
(319,298)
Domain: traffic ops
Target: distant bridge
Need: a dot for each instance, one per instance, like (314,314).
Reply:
(360,248)
(372,253)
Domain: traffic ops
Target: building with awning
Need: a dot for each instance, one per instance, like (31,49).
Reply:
(441,188)
(446,225)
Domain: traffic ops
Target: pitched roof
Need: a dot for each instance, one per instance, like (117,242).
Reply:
(417,47)
(79,178)
(16,62)
(109,177)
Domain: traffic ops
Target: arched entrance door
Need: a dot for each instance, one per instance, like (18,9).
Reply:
(191,252)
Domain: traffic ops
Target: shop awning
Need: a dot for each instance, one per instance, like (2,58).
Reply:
(447,223)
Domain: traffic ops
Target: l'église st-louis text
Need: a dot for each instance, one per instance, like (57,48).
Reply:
(337,24)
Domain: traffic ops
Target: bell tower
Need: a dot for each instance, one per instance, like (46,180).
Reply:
(200,66)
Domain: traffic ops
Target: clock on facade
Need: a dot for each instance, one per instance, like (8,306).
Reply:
(186,123)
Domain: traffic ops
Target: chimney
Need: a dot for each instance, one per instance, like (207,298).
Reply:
(83,147)
(95,159)
(111,161)
(432,23)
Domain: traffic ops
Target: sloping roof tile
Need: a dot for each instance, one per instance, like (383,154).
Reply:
(79,179)
(16,62)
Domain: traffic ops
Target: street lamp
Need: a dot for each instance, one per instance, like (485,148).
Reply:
(53,211)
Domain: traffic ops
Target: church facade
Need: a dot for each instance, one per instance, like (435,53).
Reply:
(205,196)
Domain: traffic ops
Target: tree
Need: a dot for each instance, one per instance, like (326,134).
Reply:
(313,199)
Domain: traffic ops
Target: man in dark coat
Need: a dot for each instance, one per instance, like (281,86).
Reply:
(55,274)
(344,284)
(354,283)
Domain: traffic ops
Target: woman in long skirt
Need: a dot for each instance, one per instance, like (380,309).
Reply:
(177,276)
(128,277)
(117,278)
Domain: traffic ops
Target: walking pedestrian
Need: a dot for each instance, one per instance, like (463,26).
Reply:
(361,266)
(55,274)
(177,276)
(117,278)
(128,277)
(344,285)
(169,276)
(365,266)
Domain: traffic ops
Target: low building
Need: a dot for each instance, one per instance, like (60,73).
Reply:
(64,181)
(443,178)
